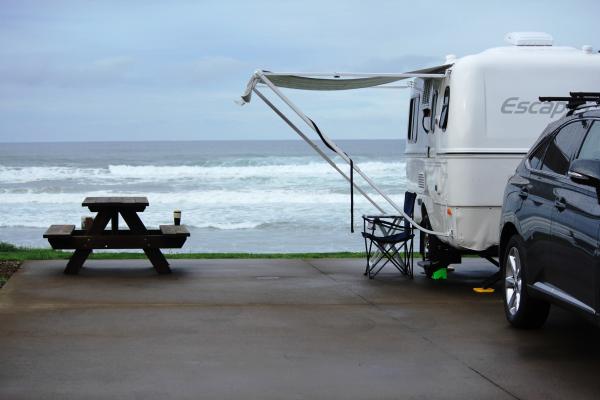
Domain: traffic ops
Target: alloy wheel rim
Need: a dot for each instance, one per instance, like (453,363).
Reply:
(513,282)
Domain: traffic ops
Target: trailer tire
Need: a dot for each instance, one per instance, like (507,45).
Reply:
(424,244)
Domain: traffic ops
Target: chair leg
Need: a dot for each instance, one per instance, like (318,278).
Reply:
(412,259)
(380,255)
(401,257)
(368,252)
(389,256)
(373,258)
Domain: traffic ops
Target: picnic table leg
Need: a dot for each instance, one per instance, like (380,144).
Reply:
(158,260)
(76,261)
(154,254)
(80,255)
(115,222)
(133,221)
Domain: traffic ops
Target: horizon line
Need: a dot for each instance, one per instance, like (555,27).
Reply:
(185,140)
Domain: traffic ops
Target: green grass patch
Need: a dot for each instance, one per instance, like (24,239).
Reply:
(12,252)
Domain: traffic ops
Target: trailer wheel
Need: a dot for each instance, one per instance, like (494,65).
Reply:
(436,254)
(425,245)
(423,238)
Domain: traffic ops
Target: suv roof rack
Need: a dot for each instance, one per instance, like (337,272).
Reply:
(576,100)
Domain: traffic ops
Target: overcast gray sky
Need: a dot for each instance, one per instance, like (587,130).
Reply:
(170,70)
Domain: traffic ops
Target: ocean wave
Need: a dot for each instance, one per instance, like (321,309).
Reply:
(278,220)
(122,173)
(208,210)
(228,226)
(192,198)
(53,173)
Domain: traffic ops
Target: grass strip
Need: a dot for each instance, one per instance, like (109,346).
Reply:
(12,252)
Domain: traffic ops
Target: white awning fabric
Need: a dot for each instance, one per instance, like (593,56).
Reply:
(342,81)
(306,83)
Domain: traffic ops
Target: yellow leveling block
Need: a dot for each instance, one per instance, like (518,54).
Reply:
(483,290)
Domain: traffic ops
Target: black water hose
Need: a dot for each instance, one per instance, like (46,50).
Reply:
(351,196)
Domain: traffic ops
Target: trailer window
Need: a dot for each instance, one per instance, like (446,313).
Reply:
(433,107)
(412,118)
(445,109)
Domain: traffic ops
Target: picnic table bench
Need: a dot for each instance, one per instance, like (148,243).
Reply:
(108,209)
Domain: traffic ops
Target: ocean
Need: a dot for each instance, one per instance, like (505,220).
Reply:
(235,196)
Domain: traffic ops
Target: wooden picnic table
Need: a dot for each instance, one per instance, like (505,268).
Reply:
(98,237)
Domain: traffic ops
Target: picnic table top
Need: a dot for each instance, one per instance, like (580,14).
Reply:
(115,201)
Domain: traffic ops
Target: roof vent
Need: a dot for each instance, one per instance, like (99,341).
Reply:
(450,59)
(529,39)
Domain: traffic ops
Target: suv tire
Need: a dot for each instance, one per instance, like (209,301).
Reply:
(522,310)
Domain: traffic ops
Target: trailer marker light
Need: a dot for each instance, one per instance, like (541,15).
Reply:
(449,211)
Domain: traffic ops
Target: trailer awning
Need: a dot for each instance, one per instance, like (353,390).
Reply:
(337,81)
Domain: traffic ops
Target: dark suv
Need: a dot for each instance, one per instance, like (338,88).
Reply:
(550,220)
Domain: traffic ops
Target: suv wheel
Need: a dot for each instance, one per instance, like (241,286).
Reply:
(521,310)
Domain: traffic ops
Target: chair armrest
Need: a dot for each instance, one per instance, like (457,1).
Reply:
(382,220)
(396,227)
(383,216)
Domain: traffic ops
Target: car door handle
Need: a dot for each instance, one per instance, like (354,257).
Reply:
(524,193)
(560,203)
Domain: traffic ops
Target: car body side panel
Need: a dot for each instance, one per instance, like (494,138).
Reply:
(573,266)
(535,215)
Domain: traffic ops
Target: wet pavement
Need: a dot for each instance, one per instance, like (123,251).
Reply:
(272,329)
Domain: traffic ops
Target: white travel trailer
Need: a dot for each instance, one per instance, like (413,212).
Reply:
(471,120)
(468,131)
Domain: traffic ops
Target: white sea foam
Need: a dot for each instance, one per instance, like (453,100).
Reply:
(35,174)
(211,209)
(313,169)
(189,198)
(229,225)
(152,173)
(220,196)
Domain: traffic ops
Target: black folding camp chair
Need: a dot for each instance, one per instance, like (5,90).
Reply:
(389,240)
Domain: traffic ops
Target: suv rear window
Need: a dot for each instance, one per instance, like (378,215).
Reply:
(590,149)
(535,160)
(562,148)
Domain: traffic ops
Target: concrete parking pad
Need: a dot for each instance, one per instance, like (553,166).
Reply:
(272,329)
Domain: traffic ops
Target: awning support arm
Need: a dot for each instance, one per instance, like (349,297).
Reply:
(314,147)
(261,76)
